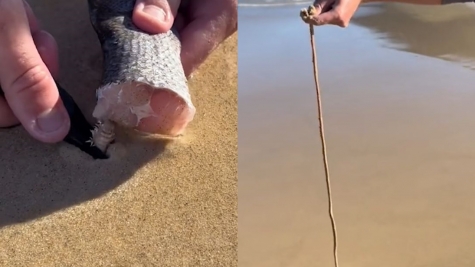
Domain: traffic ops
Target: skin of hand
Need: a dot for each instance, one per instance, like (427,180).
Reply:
(202,26)
(340,12)
(28,63)
(335,12)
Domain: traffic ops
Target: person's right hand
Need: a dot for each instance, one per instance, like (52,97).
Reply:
(336,12)
(28,63)
(203,25)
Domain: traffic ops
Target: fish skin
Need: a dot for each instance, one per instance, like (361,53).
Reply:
(132,55)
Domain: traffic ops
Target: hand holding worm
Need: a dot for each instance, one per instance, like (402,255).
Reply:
(333,12)
(340,12)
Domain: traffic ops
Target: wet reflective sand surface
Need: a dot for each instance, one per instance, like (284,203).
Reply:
(398,96)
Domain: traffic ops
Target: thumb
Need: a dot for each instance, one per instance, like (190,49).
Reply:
(28,85)
(319,6)
(155,16)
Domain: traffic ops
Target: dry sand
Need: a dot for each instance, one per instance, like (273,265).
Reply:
(400,131)
(151,204)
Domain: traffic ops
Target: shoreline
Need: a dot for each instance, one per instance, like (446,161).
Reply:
(399,128)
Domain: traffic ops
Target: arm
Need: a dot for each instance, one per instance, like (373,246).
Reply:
(420,2)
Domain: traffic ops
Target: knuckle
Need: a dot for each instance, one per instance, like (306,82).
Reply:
(340,21)
(318,21)
(31,82)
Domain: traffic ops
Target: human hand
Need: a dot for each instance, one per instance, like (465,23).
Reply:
(202,25)
(336,12)
(28,63)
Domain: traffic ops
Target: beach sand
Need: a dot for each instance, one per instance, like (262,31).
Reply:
(151,204)
(398,94)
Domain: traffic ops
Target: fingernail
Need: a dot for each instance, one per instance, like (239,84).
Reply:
(50,120)
(156,12)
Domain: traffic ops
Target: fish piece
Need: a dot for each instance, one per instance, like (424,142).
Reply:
(136,66)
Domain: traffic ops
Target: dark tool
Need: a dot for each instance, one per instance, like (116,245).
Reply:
(80,131)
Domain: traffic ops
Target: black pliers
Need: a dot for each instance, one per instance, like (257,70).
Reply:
(80,132)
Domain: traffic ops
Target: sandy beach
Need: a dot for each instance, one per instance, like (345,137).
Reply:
(398,90)
(152,204)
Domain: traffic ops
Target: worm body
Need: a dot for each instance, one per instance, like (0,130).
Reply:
(102,135)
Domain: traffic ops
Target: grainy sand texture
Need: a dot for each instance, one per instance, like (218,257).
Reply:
(152,204)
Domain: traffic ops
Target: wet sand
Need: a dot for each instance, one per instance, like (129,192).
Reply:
(400,131)
(152,203)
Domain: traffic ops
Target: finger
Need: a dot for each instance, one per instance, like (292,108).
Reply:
(155,16)
(319,6)
(48,50)
(32,21)
(325,14)
(7,118)
(28,86)
(203,35)
(330,17)
(45,43)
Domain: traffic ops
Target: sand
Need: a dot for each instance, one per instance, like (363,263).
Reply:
(152,204)
(398,109)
